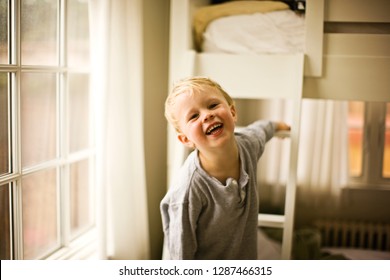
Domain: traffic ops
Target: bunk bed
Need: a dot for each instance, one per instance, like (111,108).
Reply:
(338,66)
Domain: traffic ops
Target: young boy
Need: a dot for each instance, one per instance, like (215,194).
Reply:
(211,210)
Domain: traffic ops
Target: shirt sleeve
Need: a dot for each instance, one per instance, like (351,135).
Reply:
(179,219)
(258,134)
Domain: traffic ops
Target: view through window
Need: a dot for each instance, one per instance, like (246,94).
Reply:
(369,142)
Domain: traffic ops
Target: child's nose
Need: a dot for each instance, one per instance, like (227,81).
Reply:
(208,116)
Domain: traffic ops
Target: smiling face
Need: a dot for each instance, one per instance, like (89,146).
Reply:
(205,118)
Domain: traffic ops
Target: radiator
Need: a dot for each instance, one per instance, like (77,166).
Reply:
(350,234)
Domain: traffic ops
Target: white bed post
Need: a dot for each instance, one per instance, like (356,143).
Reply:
(179,67)
(313,67)
(289,207)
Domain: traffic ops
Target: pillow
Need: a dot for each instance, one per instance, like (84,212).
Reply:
(204,15)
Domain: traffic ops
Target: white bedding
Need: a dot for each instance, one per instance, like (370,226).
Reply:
(272,32)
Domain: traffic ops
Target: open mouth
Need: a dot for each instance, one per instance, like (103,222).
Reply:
(214,129)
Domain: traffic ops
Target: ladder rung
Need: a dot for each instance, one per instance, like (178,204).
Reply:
(270,220)
(282,133)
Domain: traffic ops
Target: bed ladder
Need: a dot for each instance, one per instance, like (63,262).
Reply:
(286,221)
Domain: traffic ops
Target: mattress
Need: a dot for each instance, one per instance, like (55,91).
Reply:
(258,33)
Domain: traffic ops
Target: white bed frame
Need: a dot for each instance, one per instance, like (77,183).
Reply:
(334,66)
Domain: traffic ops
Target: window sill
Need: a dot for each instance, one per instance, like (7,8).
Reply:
(83,248)
(367,187)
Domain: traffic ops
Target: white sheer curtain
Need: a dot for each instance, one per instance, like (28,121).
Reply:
(322,158)
(116,45)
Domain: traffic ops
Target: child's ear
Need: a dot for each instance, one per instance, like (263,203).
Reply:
(185,141)
(233,112)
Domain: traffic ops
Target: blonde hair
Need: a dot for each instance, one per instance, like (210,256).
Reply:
(190,85)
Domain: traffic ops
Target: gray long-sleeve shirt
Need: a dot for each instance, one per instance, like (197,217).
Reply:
(204,219)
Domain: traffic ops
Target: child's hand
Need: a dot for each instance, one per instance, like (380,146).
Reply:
(282,130)
(282,126)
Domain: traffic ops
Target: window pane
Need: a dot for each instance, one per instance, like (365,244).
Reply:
(39,195)
(39,32)
(80,193)
(5,240)
(4,124)
(386,156)
(79,112)
(4,31)
(38,117)
(355,136)
(78,33)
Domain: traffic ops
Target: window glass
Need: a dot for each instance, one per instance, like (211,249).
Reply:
(4,124)
(355,137)
(4,31)
(80,194)
(39,32)
(5,240)
(38,117)
(79,112)
(386,155)
(39,196)
(77,33)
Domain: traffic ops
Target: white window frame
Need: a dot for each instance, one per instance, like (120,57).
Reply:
(85,245)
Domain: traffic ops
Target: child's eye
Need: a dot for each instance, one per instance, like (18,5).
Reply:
(193,116)
(213,105)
